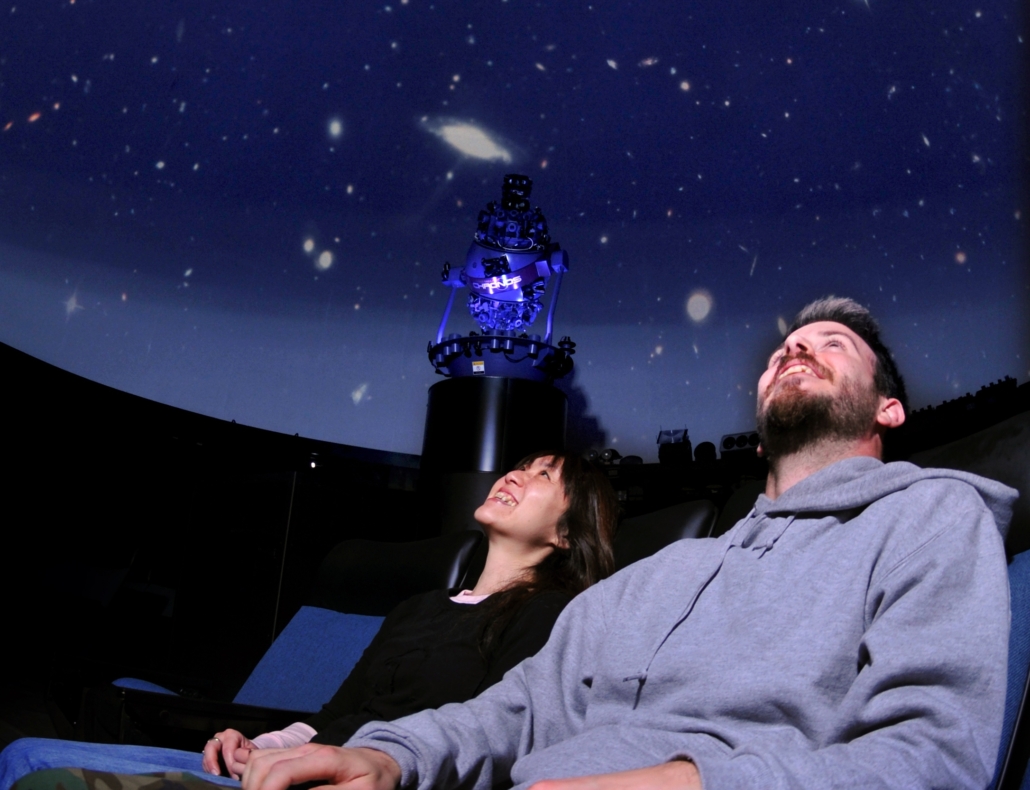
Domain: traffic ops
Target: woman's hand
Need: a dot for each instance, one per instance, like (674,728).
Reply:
(234,749)
(335,766)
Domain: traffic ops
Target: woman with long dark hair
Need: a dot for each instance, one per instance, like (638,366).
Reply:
(549,525)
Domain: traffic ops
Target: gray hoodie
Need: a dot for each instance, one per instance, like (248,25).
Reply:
(852,633)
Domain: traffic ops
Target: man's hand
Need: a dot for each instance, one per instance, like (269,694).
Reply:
(353,769)
(679,774)
(234,749)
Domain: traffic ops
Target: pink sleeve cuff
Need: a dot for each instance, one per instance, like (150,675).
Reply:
(297,734)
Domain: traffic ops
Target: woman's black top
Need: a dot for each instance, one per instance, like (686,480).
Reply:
(427,654)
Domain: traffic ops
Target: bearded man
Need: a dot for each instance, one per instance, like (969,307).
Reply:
(816,404)
(851,631)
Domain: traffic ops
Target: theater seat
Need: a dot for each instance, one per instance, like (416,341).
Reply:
(642,536)
(1012,773)
(357,583)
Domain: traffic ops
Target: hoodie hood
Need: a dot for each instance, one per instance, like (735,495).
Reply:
(856,482)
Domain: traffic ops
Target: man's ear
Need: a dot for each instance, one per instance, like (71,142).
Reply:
(890,414)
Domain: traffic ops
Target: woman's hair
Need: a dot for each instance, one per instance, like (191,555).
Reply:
(585,529)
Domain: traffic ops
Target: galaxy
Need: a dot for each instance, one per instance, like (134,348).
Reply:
(243,209)
(469,139)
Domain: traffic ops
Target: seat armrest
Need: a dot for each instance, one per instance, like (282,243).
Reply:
(121,715)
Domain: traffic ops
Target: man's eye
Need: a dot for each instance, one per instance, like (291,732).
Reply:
(545,474)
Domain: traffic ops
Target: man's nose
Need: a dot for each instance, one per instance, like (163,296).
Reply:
(797,343)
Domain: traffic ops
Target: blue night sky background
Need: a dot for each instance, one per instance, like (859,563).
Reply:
(242,209)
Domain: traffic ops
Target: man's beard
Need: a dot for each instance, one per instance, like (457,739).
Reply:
(795,420)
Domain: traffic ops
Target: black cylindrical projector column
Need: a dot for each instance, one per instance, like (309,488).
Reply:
(477,428)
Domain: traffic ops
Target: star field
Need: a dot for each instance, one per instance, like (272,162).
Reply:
(279,186)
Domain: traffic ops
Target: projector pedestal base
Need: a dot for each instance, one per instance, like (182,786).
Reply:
(477,428)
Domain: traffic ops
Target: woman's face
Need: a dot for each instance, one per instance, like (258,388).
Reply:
(526,504)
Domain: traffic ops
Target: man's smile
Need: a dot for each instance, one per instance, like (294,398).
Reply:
(796,368)
(801,365)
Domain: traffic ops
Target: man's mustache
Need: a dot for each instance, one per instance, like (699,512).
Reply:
(801,358)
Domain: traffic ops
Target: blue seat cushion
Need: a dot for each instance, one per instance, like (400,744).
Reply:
(309,660)
(1019,650)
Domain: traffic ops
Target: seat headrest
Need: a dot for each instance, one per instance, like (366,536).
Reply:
(372,577)
(642,536)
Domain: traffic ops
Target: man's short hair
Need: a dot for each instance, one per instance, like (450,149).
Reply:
(887,379)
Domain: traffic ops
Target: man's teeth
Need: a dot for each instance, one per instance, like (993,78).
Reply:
(797,369)
(505,499)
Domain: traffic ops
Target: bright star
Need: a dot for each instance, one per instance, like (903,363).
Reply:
(325,260)
(699,305)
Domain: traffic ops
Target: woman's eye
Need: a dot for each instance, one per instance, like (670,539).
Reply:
(544,473)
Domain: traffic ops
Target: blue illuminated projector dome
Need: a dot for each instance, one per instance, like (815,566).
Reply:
(507,270)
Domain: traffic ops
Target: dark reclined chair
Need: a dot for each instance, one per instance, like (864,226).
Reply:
(1012,770)
(357,583)
(642,536)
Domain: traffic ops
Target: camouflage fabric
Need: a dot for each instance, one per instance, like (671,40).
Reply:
(83,779)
